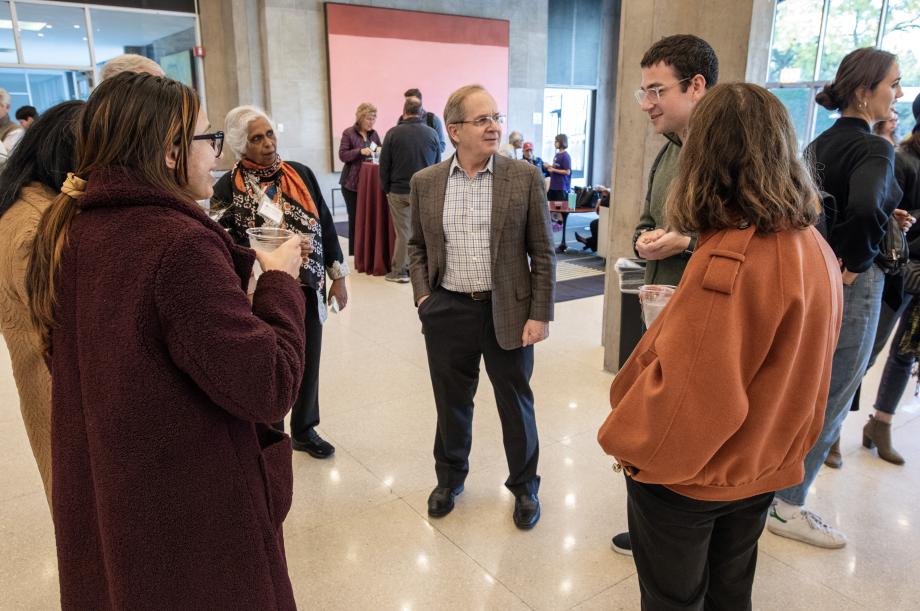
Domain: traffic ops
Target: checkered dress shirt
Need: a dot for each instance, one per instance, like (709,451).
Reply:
(468,230)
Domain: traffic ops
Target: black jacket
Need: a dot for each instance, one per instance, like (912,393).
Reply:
(407,148)
(857,168)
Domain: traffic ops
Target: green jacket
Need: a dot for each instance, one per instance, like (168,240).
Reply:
(664,169)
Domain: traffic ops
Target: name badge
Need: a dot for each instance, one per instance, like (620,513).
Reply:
(270,211)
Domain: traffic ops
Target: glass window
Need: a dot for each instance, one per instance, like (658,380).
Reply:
(166,39)
(567,111)
(796,30)
(824,118)
(52,35)
(798,101)
(902,37)
(7,42)
(43,88)
(851,24)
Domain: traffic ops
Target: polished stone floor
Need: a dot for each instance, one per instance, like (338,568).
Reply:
(358,536)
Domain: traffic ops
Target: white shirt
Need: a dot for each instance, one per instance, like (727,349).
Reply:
(13,138)
(467,224)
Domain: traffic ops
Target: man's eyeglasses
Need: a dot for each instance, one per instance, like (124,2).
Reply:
(217,141)
(484,120)
(654,93)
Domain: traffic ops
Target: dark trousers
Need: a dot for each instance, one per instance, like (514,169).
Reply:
(458,332)
(351,208)
(305,411)
(694,554)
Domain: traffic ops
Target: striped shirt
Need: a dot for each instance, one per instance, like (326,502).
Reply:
(468,229)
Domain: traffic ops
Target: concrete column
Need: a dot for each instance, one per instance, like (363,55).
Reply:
(231,32)
(739,31)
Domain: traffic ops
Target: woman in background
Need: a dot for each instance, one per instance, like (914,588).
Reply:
(31,180)
(357,146)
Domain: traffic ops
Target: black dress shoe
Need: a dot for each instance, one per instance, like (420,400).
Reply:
(581,239)
(526,511)
(315,446)
(441,501)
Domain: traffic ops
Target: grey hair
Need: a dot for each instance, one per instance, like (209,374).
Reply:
(5,98)
(130,62)
(236,127)
(454,109)
(412,106)
(515,135)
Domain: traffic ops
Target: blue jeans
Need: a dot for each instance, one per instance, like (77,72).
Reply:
(861,304)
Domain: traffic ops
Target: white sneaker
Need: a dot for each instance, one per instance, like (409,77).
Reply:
(806,527)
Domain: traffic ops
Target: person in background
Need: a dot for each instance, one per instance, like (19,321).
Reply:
(430,119)
(407,148)
(677,71)
(724,394)
(532,159)
(512,148)
(888,129)
(905,345)
(857,169)
(10,132)
(590,242)
(292,190)
(130,62)
(357,146)
(26,116)
(31,179)
(169,489)
(560,173)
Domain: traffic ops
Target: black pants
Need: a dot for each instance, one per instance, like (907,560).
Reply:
(351,207)
(694,554)
(305,411)
(592,241)
(458,332)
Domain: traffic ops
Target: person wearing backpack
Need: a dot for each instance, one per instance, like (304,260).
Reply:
(431,119)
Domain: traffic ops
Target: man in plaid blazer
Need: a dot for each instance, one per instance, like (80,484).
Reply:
(483,273)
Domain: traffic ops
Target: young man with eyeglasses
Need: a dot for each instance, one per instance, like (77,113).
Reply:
(483,271)
(677,71)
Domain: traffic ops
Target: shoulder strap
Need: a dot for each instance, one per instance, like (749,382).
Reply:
(429,119)
(726,259)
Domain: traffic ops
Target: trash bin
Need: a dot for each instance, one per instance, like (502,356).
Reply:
(632,276)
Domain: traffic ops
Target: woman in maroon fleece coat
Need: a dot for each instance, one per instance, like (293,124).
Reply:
(168,490)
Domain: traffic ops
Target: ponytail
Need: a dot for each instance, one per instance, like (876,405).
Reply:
(47,248)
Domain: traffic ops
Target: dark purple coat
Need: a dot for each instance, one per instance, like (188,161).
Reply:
(350,154)
(167,493)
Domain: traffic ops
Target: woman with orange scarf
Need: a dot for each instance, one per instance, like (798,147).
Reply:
(261,189)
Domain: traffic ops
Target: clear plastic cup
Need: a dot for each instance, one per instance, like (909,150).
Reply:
(654,297)
(267,239)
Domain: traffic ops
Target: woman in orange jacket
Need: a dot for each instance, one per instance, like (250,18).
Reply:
(725,393)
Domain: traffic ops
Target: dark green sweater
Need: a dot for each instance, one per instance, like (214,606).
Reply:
(665,271)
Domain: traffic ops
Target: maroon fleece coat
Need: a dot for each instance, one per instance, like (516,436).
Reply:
(168,493)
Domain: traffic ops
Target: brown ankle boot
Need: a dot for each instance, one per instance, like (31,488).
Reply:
(834,459)
(878,433)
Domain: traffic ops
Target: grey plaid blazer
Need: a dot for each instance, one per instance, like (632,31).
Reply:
(523,259)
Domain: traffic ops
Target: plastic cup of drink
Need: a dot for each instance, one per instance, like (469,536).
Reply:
(654,297)
(267,239)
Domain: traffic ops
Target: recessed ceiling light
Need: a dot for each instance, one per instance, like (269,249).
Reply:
(40,35)
(76,27)
(31,26)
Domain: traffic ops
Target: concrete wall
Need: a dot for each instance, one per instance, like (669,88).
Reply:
(737,30)
(291,64)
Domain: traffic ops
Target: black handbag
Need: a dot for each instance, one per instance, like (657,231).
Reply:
(893,249)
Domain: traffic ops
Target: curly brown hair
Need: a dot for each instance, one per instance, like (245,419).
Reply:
(740,165)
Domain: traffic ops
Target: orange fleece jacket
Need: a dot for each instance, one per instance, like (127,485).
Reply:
(725,393)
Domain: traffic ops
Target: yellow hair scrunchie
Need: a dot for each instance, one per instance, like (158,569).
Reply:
(74,186)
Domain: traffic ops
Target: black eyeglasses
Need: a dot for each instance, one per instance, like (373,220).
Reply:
(217,141)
